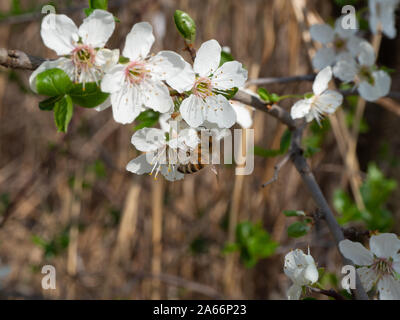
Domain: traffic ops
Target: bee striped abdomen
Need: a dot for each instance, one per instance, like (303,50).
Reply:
(195,167)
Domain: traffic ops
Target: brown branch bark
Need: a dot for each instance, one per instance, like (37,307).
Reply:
(16,59)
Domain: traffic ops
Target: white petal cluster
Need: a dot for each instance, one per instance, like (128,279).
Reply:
(302,270)
(137,80)
(207,81)
(351,57)
(81,50)
(335,41)
(377,266)
(371,83)
(323,101)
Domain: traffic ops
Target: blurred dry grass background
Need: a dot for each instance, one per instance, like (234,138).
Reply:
(130,236)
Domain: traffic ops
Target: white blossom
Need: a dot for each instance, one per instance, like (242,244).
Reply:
(372,83)
(162,151)
(335,41)
(206,81)
(243,114)
(301,269)
(83,56)
(324,101)
(139,83)
(377,266)
(382,16)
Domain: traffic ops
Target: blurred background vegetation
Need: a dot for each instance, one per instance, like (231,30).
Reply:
(66,199)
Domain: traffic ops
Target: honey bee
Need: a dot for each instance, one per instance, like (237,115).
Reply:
(202,158)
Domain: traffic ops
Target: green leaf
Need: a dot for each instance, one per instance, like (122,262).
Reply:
(147,119)
(298,229)
(185,25)
(53,82)
(88,11)
(266,153)
(253,243)
(48,104)
(123,60)
(63,110)
(228,94)
(89,97)
(225,57)
(98,4)
(285,141)
(294,213)
(264,95)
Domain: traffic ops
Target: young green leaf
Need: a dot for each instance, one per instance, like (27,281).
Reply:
(89,97)
(225,57)
(53,82)
(264,94)
(48,104)
(98,4)
(298,229)
(63,111)
(294,213)
(185,25)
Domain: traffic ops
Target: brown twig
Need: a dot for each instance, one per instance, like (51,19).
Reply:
(16,59)
(277,168)
(329,293)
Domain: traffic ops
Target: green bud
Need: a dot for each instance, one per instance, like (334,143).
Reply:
(185,25)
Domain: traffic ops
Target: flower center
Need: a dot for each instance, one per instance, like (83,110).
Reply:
(136,72)
(339,44)
(366,74)
(202,87)
(83,57)
(383,266)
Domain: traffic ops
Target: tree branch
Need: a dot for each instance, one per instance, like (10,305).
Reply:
(308,178)
(16,59)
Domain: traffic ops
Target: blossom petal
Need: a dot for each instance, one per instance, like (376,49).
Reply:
(396,263)
(381,87)
(356,252)
(389,288)
(300,109)
(62,63)
(345,69)
(184,80)
(231,74)
(342,32)
(156,96)
(322,33)
(324,57)
(366,55)
(384,245)
(148,139)
(114,79)
(368,277)
(171,173)
(126,104)
(139,41)
(300,268)
(294,292)
(58,33)
(329,101)
(166,64)
(218,110)
(243,114)
(97,28)
(322,80)
(106,58)
(139,165)
(207,58)
(192,110)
